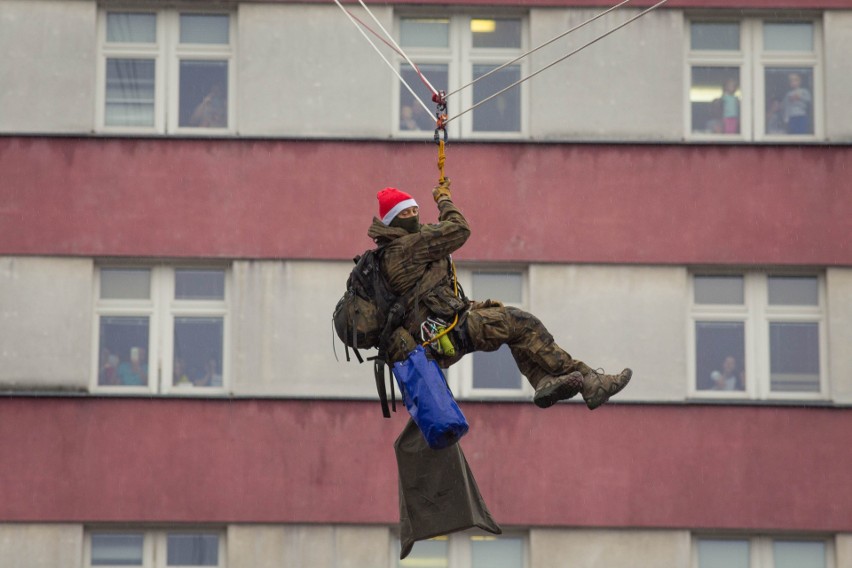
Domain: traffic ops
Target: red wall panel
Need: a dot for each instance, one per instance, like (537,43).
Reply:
(605,203)
(287,461)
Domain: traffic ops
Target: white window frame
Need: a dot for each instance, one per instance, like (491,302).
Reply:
(752,60)
(154,547)
(167,54)
(460,375)
(459,554)
(460,57)
(760,547)
(756,313)
(162,309)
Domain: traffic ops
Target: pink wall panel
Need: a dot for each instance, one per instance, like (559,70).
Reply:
(526,202)
(172,460)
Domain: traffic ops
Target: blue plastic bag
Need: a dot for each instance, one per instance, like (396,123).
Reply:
(429,400)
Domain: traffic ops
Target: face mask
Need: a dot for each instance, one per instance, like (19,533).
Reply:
(409,224)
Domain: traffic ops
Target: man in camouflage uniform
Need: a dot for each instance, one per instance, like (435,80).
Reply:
(416,257)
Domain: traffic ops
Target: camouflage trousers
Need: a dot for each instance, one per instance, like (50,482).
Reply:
(533,347)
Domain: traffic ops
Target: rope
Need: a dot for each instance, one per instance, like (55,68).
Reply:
(441,159)
(545,44)
(389,64)
(581,48)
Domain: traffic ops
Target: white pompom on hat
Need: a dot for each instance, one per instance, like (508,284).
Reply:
(391,202)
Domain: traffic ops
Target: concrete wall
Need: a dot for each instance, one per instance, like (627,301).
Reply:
(47,72)
(628,86)
(839,302)
(317,546)
(552,548)
(838,81)
(46,316)
(41,545)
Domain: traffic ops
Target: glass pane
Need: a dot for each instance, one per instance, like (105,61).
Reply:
(192,550)
(123,351)
(493,552)
(129,92)
(125,283)
(496,370)
(715,35)
(500,114)
(798,554)
(723,554)
(789,103)
(793,291)
(714,97)
(427,554)
(424,32)
(719,290)
(129,27)
(720,356)
(496,33)
(204,28)
(117,549)
(794,357)
(199,284)
(204,93)
(198,351)
(504,286)
(412,116)
(788,36)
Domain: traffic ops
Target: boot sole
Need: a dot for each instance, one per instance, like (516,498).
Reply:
(547,397)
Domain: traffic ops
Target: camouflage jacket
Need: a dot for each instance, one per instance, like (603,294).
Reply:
(420,261)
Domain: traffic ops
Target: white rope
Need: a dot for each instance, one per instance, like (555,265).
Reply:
(385,59)
(398,48)
(545,44)
(548,66)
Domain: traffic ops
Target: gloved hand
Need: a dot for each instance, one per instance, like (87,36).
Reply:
(442,190)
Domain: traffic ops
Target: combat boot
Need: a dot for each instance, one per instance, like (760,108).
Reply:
(551,390)
(598,388)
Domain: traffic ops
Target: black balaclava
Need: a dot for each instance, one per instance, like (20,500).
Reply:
(409,224)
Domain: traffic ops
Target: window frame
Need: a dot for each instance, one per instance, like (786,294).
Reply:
(460,56)
(752,61)
(757,314)
(460,375)
(167,54)
(760,547)
(162,309)
(154,545)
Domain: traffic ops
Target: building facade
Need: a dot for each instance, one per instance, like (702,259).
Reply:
(183,186)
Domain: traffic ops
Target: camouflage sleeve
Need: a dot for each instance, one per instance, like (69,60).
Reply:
(443,238)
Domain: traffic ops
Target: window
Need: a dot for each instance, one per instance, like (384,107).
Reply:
(466,550)
(491,374)
(165,71)
(452,52)
(155,549)
(160,329)
(758,335)
(754,79)
(762,552)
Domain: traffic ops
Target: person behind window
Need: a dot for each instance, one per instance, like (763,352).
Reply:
(728,379)
(730,108)
(406,118)
(211,377)
(415,261)
(134,372)
(796,104)
(212,111)
(108,374)
(179,373)
(775,117)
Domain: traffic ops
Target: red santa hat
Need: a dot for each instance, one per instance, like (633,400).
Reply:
(391,202)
